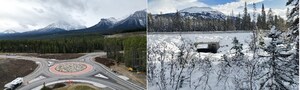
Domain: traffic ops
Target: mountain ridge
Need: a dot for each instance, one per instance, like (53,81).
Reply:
(197,12)
(134,22)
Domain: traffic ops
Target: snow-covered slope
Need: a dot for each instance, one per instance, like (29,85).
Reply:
(105,23)
(9,31)
(58,26)
(133,22)
(64,25)
(204,12)
(200,10)
(136,20)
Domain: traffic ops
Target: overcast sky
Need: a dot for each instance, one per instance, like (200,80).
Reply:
(225,6)
(25,15)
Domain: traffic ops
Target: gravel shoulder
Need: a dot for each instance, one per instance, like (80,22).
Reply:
(137,78)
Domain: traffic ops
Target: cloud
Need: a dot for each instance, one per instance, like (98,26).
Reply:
(167,6)
(234,6)
(39,10)
(238,7)
(281,12)
(22,15)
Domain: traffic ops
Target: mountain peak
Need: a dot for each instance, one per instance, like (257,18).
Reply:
(65,25)
(9,31)
(111,19)
(204,12)
(196,9)
(139,14)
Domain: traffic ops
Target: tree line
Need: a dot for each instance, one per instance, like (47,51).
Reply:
(62,45)
(128,50)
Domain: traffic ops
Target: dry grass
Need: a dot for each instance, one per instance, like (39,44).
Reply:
(12,68)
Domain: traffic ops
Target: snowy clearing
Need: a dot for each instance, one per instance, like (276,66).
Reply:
(201,71)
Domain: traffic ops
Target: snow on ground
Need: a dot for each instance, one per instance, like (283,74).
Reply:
(205,75)
(225,39)
(172,40)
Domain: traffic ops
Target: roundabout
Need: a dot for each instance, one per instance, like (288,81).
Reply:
(70,68)
(80,70)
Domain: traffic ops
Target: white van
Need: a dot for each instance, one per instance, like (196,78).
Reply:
(13,84)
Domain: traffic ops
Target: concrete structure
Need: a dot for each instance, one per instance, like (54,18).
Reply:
(207,46)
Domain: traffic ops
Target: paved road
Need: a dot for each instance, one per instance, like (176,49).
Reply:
(114,82)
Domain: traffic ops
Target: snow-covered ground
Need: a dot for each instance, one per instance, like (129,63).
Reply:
(203,71)
(225,39)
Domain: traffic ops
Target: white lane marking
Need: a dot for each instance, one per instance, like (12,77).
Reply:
(101,76)
(123,77)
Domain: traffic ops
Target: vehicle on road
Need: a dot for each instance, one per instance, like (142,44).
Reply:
(50,63)
(13,84)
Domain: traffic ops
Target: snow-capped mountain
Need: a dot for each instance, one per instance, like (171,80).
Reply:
(9,31)
(64,25)
(108,25)
(198,12)
(58,26)
(204,12)
(134,21)
(105,23)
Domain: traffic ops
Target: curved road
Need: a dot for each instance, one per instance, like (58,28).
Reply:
(113,81)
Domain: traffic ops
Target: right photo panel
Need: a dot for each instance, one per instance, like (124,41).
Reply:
(223,45)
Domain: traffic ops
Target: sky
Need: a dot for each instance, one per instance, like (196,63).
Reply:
(224,6)
(26,15)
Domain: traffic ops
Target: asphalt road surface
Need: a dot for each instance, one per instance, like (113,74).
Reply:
(113,82)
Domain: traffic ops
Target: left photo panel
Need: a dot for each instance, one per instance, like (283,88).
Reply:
(73,45)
